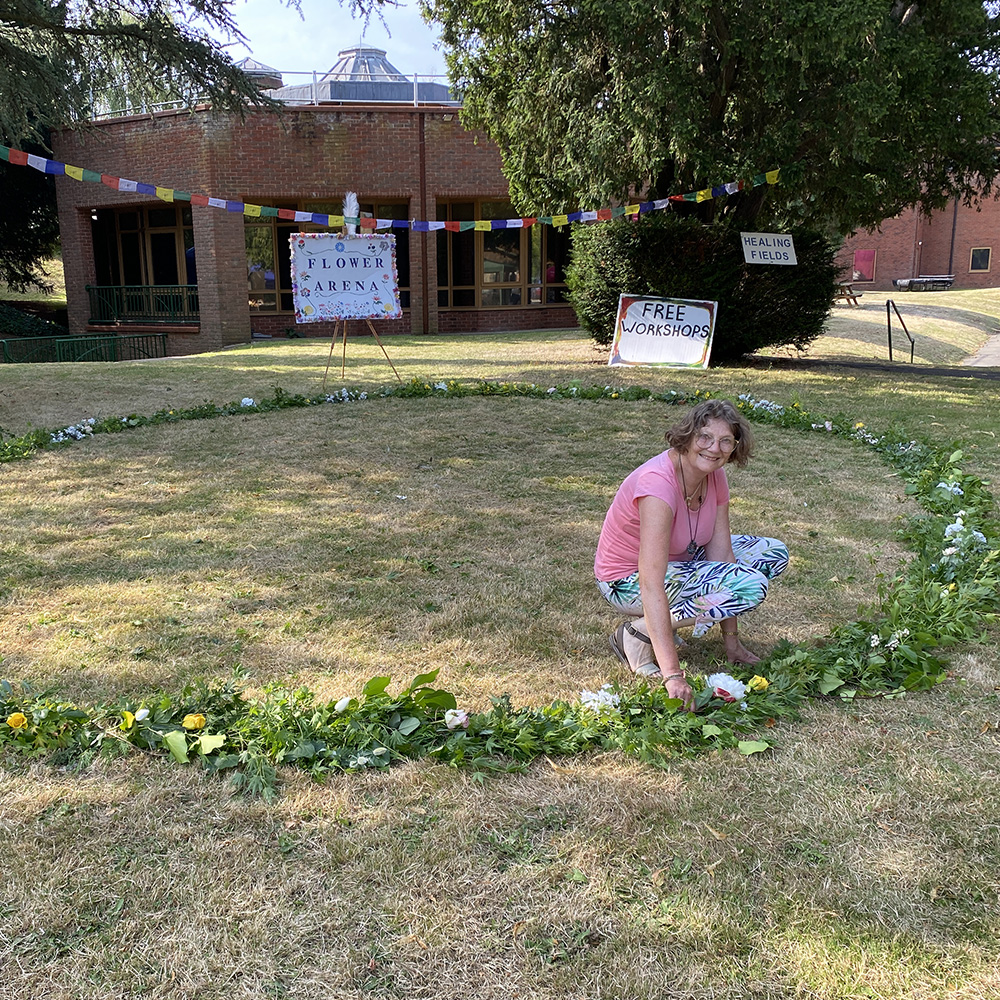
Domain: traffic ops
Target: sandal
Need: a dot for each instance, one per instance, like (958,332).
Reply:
(617,642)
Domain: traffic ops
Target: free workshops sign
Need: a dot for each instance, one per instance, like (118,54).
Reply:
(344,277)
(675,333)
(768,248)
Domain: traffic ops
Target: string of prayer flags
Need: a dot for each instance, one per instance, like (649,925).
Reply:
(46,166)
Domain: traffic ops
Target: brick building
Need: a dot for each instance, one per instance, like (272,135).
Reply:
(210,278)
(958,241)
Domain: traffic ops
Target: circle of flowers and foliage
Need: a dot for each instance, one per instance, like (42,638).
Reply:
(941,597)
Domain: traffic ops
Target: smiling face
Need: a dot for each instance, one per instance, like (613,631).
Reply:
(711,446)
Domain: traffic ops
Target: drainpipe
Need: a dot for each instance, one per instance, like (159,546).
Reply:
(424,237)
(951,252)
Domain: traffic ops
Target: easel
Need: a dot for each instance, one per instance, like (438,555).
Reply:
(343,362)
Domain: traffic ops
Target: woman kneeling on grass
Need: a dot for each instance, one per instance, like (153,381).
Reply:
(666,555)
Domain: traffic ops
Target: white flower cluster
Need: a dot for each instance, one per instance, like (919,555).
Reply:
(75,432)
(953,488)
(247,401)
(896,638)
(455,718)
(441,386)
(345,396)
(860,434)
(762,405)
(726,682)
(962,535)
(601,701)
(363,760)
(827,425)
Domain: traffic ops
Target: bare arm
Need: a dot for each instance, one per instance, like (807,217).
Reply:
(655,521)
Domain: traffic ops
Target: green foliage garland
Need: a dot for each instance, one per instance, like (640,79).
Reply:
(940,598)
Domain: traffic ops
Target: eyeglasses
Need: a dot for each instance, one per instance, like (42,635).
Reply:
(724,443)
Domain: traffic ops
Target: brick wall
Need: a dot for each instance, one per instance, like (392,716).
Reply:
(383,153)
(912,244)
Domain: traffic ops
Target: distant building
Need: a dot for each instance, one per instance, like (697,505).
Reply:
(209,277)
(958,241)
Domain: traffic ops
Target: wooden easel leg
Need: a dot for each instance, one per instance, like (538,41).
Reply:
(329,357)
(379,342)
(343,360)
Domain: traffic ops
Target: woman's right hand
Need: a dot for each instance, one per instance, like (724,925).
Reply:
(678,687)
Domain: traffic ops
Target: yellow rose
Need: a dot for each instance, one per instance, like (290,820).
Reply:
(758,683)
(17,721)
(193,722)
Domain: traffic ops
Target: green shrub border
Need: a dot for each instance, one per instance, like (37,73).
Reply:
(941,597)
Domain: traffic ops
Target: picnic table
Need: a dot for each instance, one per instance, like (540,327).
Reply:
(845,291)
(925,283)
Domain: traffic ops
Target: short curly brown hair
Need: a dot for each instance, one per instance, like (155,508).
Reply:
(682,434)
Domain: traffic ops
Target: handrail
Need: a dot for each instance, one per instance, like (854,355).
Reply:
(143,303)
(888,323)
(100,347)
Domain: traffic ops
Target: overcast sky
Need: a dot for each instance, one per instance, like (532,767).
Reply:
(280,38)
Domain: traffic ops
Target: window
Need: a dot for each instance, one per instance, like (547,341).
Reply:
(144,246)
(269,257)
(501,267)
(979,259)
(864,265)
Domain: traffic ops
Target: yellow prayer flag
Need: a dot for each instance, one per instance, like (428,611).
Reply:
(560,220)
(75,172)
(631,209)
(483,226)
(704,195)
(253,210)
(336,221)
(772,176)
(165,194)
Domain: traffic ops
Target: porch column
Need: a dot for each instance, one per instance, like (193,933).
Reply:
(221,260)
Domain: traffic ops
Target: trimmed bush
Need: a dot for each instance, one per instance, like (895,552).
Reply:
(17,323)
(760,305)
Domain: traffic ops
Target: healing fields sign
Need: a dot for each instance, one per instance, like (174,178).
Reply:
(344,277)
(675,333)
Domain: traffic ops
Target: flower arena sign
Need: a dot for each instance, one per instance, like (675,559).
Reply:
(344,277)
(674,333)
(768,248)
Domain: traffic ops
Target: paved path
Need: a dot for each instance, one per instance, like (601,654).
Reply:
(988,356)
(981,369)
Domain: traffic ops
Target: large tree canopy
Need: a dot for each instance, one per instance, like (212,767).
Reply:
(59,58)
(868,105)
(62,59)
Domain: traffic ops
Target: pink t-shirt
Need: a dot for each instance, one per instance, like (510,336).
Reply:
(618,547)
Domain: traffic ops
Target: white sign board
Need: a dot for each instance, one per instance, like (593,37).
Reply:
(344,277)
(676,333)
(768,248)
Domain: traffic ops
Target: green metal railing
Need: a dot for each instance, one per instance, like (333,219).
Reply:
(143,303)
(104,347)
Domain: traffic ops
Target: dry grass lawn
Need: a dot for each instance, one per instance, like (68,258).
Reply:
(325,545)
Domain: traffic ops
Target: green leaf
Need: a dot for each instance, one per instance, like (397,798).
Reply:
(709,730)
(376,686)
(210,742)
(435,698)
(176,743)
(748,747)
(830,682)
(409,725)
(422,679)
(955,456)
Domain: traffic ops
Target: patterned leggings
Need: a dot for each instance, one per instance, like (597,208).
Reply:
(707,591)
